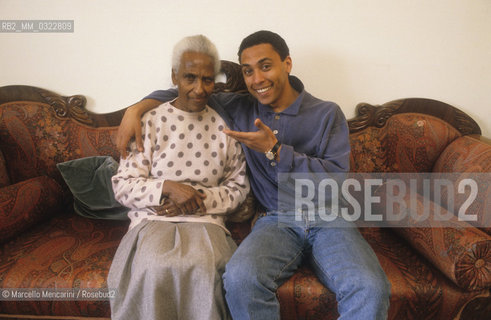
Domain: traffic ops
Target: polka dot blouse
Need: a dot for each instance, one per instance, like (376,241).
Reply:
(187,147)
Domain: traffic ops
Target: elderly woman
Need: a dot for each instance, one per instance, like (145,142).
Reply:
(169,264)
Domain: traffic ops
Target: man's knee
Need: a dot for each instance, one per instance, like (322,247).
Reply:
(375,288)
(237,274)
(379,287)
(243,275)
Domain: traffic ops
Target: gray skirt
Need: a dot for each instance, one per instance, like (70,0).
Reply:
(165,270)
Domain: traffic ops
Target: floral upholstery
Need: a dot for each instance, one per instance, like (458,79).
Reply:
(66,250)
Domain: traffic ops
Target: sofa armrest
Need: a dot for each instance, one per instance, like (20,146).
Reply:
(26,203)
(462,254)
(469,157)
(459,250)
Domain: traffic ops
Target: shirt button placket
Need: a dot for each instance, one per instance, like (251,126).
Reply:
(276,124)
(275,132)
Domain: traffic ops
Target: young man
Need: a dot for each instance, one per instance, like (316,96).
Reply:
(285,130)
(170,263)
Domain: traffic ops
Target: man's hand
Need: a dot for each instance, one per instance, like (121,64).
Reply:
(262,140)
(131,125)
(182,199)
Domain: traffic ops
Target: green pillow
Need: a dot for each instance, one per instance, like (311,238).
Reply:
(89,180)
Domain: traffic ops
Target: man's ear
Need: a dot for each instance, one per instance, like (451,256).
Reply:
(174,78)
(288,64)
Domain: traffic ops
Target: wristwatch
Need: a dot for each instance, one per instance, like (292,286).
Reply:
(271,154)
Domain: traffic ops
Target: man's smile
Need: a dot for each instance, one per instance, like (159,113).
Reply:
(263,90)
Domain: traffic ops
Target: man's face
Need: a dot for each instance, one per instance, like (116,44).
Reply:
(195,81)
(265,75)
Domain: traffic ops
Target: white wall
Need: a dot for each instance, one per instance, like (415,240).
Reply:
(344,51)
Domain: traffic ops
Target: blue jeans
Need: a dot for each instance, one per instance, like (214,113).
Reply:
(340,257)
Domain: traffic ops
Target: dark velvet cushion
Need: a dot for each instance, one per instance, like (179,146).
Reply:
(89,180)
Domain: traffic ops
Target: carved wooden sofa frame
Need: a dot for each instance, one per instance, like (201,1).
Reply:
(78,251)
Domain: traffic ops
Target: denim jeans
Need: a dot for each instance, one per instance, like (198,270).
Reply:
(340,257)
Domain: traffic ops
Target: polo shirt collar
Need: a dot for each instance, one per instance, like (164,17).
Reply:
(295,106)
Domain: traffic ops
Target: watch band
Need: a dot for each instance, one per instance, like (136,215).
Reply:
(275,148)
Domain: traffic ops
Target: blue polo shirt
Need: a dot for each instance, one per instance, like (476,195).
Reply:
(313,134)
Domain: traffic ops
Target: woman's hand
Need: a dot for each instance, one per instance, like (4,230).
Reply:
(181,199)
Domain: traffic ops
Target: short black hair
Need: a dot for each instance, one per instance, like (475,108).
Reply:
(264,36)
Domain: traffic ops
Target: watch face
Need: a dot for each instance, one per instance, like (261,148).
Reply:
(269,155)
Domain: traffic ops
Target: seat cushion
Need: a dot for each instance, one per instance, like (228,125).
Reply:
(67,252)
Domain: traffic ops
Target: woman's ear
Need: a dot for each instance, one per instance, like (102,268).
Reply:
(174,77)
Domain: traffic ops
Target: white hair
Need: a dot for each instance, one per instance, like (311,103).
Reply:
(198,43)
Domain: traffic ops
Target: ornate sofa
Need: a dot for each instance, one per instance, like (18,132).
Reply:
(435,272)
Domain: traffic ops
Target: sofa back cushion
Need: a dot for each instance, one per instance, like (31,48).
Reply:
(409,142)
(33,140)
(369,150)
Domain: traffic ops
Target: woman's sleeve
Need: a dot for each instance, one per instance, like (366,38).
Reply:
(234,186)
(133,187)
